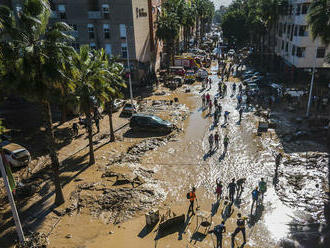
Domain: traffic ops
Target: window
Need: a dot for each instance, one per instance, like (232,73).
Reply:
(106,31)
(90,28)
(301,52)
(122,29)
(298,9)
(108,49)
(124,50)
(320,53)
(93,5)
(280,29)
(302,31)
(287,46)
(295,30)
(105,10)
(61,11)
(293,51)
(304,9)
(282,45)
(92,45)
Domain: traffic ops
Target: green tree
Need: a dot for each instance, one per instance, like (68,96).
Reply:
(113,88)
(33,53)
(168,28)
(95,81)
(318,19)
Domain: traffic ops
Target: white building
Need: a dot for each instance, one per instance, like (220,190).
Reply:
(293,39)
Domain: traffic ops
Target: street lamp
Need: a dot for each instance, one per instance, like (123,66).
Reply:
(129,69)
(312,83)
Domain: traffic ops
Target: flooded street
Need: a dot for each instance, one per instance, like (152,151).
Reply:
(291,213)
(186,162)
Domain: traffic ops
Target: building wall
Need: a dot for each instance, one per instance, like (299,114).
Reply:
(141,29)
(292,40)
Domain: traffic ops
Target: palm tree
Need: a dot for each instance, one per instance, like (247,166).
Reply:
(188,21)
(95,81)
(113,90)
(318,19)
(168,30)
(32,55)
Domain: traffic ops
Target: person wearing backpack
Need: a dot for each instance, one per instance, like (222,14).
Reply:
(262,188)
(218,231)
(192,197)
(255,197)
(240,228)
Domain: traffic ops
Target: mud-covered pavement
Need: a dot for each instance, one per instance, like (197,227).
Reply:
(292,212)
(164,169)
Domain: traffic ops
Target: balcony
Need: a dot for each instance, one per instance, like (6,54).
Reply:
(94,15)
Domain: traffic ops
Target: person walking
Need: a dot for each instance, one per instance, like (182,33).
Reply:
(232,188)
(203,100)
(239,184)
(226,115)
(225,142)
(208,98)
(234,88)
(216,139)
(240,228)
(218,231)
(218,189)
(211,141)
(210,107)
(240,114)
(262,188)
(97,117)
(255,197)
(192,198)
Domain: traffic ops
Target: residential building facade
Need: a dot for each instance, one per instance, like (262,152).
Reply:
(122,27)
(294,43)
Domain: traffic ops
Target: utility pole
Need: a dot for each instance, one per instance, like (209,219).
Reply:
(312,83)
(18,225)
(129,70)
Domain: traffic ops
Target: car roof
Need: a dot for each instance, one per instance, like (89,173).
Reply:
(13,147)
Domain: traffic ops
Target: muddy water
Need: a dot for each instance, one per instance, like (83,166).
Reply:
(187,162)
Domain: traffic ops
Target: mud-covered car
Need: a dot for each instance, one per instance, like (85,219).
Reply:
(145,122)
(16,155)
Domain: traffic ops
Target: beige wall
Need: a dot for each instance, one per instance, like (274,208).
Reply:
(141,30)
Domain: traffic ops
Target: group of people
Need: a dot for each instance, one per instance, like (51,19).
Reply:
(234,187)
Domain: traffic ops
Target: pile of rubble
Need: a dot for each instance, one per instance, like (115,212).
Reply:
(113,205)
(34,240)
(302,182)
(135,152)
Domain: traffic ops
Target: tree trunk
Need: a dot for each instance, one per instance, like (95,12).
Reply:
(90,137)
(50,139)
(64,113)
(112,133)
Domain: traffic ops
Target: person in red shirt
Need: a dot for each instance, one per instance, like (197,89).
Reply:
(192,198)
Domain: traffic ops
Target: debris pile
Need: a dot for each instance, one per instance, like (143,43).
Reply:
(34,240)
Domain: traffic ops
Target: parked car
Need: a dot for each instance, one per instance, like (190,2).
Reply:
(128,110)
(190,77)
(178,80)
(145,122)
(177,70)
(202,74)
(253,87)
(16,155)
(231,52)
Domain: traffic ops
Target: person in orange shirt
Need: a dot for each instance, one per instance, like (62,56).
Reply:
(192,198)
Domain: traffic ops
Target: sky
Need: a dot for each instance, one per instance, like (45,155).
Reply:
(217,3)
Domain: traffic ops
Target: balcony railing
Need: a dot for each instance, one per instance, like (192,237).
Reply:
(94,15)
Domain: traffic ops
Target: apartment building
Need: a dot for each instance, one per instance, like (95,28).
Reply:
(121,27)
(294,43)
